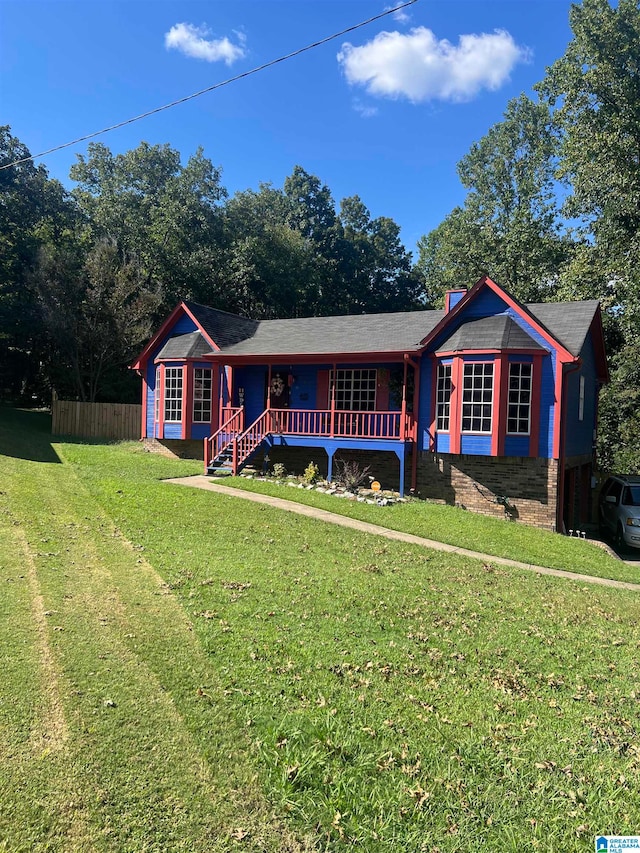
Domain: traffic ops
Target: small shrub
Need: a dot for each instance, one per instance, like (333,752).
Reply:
(350,475)
(279,470)
(311,474)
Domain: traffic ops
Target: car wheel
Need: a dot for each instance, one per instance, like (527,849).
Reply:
(621,545)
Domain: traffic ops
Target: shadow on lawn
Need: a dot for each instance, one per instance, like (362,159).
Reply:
(26,434)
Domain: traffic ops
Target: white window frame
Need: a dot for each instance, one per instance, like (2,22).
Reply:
(351,385)
(477,385)
(443,397)
(519,397)
(173,391)
(202,395)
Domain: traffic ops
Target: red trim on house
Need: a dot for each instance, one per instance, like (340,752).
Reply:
(448,295)
(433,425)
(164,328)
(187,399)
(500,397)
(536,401)
(382,391)
(160,421)
(597,336)
(143,424)
(455,423)
(277,359)
(452,353)
(416,410)
(322,389)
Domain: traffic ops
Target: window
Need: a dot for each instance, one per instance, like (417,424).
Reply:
(202,395)
(477,397)
(157,396)
(443,398)
(581,401)
(173,394)
(355,390)
(519,401)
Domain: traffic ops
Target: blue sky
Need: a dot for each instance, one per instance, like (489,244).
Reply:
(385,112)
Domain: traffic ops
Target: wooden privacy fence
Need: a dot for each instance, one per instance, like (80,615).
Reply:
(117,421)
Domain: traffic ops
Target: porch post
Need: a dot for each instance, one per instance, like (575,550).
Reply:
(403,408)
(416,415)
(269,388)
(332,392)
(330,464)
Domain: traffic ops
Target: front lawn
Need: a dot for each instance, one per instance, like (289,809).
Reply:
(464,529)
(229,676)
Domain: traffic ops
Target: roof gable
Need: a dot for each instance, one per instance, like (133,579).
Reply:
(486,299)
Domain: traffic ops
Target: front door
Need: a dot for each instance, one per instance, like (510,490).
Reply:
(279,390)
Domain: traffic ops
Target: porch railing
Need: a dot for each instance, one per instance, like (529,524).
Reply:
(238,444)
(341,424)
(232,426)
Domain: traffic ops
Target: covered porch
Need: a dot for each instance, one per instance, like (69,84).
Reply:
(354,409)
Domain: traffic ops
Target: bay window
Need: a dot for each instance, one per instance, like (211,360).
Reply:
(172,394)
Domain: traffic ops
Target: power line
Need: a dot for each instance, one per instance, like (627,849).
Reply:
(210,88)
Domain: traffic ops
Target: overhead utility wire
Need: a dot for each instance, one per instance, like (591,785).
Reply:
(211,88)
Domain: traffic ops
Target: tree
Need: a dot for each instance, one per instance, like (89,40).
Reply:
(34,210)
(509,226)
(163,215)
(97,312)
(594,92)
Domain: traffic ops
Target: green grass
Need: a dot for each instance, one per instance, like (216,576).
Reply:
(227,675)
(464,529)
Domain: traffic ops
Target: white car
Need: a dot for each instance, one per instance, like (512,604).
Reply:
(620,510)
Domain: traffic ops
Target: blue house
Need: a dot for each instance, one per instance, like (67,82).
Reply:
(486,404)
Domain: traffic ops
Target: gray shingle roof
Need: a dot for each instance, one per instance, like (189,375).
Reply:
(567,322)
(223,328)
(185,346)
(499,332)
(358,333)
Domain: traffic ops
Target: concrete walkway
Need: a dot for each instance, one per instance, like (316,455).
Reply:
(202,482)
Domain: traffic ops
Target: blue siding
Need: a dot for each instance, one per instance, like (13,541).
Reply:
(547,406)
(150,379)
(303,390)
(200,430)
(252,379)
(443,442)
(182,326)
(579,433)
(424,410)
(516,445)
(172,431)
(477,445)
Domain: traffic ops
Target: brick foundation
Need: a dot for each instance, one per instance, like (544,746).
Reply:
(474,481)
(176,448)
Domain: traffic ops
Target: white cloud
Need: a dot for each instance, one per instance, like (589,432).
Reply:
(192,41)
(419,67)
(365,110)
(401,16)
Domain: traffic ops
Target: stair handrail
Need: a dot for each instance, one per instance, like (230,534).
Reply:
(209,443)
(246,443)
